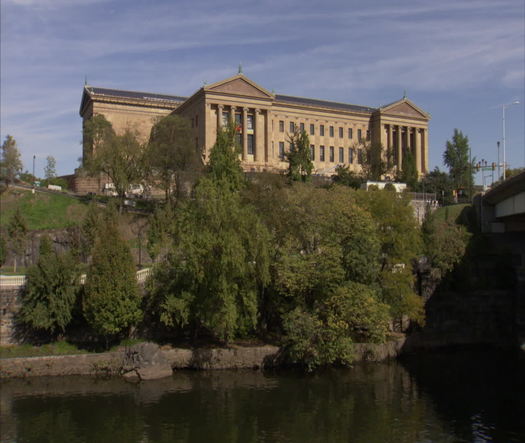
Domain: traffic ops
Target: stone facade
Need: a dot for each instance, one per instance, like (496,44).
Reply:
(265,121)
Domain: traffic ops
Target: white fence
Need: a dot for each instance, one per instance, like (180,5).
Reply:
(17,281)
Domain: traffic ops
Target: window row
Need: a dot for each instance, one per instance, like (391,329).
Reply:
(238,120)
(331,130)
(353,154)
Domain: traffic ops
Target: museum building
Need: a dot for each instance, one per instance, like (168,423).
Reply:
(337,131)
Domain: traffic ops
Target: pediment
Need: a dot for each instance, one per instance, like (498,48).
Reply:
(239,85)
(405,108)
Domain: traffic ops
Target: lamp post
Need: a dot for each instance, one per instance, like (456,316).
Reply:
(499,173)
(515,102)
(34,157)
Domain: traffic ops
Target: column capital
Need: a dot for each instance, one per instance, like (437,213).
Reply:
(219,106)
(257,111)
(245,109)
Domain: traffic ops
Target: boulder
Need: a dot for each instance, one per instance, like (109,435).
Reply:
(145,361)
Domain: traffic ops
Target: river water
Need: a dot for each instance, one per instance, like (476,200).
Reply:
(438,397)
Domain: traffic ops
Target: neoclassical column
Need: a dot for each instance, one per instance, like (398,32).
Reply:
(399,148)
(425,149)
(232,114)
(418,151)
(257,139)
(407,135)
(244,134)
(219,116)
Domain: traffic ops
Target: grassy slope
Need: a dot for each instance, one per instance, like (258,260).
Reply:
(42,210)
(449,213)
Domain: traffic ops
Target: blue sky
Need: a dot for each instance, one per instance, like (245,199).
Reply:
(459,60)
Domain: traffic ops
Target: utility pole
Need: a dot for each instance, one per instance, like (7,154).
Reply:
(499,172)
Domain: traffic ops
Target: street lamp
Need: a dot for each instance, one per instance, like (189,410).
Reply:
(515,102)
(499,173)
(34,157)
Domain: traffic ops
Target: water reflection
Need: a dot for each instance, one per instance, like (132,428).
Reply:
(427,399)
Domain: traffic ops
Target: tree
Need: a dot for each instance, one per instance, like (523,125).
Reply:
(10,164)
(51,290)
(172,155)
(456,157)
(300,164)
(17,231)
(211,278)
(440,183)
(50,168)
(408,173)
(111,302)
(120,157)
(344,176)
(376,161)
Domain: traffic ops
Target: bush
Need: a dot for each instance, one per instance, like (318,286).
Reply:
(51,291)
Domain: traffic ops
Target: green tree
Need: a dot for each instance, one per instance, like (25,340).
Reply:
(158,234)
(3,248)
(300,164)
(409,174)
(111,303)
(17,231)
(88,230)
(376,161)
(440,183)
(172,156)
(10,164)
(120,157)
(51,290)
(344,176)
(456,157)
(50,168)
(219,260)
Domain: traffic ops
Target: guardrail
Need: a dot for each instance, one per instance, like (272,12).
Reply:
(17,281)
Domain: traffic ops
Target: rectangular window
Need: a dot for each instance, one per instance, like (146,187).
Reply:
(321,153)
(301,127)
(341,155)
(281,126)
(238,120)
(350,155)
(249,122)
(321,130)
(281,150)
(350,133)
(250,144)
(331,131)
(341,132)
(359,135)
(312,129)
(238,139)
(312,152)
(332,154)
(292,127)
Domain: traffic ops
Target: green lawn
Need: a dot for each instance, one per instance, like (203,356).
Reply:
(56,348)
(449,213)
(42,210)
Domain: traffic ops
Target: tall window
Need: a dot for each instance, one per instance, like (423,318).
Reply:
(321,130)
(281,126)
(341,155)
(359,135)
(332,154)
(341,132)
(301,127)
(312,129)
(292,127)
(250,144)
(360,156)
(350,133)
(331,131)
(321,153)
(238,120)
(312,152)
(249,122)
(281,150)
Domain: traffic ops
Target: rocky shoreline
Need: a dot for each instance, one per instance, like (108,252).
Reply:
(148,361)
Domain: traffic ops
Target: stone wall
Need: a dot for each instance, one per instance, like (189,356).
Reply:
(9,306)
